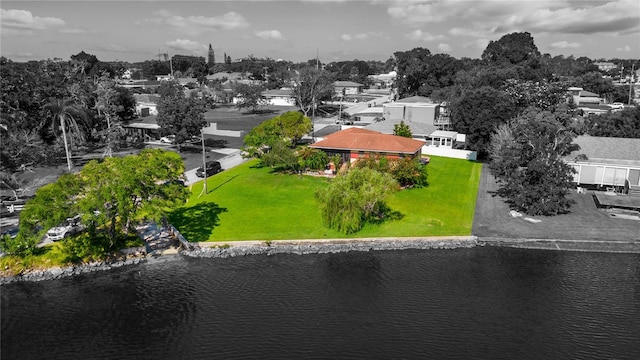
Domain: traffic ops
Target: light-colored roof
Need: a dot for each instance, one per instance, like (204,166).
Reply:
(358,139)
(386,127)
(444,134)
(347,83)
(139,125)
(585,93)
(416,99)
(277,92)
(146,98)
(607,149)
(225,75)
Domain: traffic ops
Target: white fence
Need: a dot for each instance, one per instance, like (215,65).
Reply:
(449,152)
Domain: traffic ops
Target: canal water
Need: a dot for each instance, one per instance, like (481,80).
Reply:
(480,303)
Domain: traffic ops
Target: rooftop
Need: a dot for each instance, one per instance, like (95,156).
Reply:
(359,139)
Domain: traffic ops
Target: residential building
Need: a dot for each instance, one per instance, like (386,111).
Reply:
(417,109)
(354,143)
(347,88)
(605,66)
(146,104)
(383,81)
(280,97)
(604,162)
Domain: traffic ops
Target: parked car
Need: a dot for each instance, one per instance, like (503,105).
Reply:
(71,226)
(169,139)
(213,167)
(617,105)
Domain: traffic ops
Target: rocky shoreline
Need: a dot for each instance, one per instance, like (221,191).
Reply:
(305,247)
(240,248)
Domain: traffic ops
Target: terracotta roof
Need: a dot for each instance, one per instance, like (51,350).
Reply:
(359,139)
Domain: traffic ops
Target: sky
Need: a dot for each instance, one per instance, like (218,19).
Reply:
(334,30)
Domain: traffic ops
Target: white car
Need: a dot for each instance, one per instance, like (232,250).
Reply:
(70,227)
(169,139)
(617,105)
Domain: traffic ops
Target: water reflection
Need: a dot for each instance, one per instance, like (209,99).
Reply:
(483,303)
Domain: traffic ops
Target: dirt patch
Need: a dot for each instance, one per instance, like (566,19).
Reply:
(584,222)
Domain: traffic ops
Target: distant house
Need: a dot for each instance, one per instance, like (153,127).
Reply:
(355,143)
(606,162)
(185,81)
(167,77)
(228,76)
(347,88)
(605,66)
(146,104)
(417,109)
(583,97)
(281,97)
(383,81)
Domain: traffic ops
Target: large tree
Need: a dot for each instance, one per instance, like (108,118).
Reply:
(249,96)
(478,112)
(180,116)
(312,87)
(624,123)
(288,128)
(353,199)
(110,196)
(66,115)
(421,73)
(526,159)
(517,49)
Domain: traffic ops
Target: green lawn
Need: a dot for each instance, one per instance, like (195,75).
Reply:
(251,203)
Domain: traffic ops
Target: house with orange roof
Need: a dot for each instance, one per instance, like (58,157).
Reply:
(355,143)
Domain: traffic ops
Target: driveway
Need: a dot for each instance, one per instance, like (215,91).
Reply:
(584,222)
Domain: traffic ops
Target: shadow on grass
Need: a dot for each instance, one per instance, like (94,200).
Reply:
(385,214)
(196,223)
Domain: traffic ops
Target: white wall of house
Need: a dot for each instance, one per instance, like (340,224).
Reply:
(281,101)
(449,152)
(603,174)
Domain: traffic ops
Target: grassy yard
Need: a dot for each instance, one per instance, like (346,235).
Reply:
(251,203)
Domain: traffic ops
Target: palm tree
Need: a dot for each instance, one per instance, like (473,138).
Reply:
(68,113)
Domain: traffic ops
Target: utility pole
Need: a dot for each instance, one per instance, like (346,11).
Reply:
(633,66)
(204,164)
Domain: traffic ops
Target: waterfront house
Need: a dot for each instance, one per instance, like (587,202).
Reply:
(606,162)
(354,143)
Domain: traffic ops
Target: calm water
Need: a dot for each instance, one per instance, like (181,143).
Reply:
(481,303)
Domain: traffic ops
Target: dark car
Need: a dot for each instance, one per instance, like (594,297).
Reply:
(213,167)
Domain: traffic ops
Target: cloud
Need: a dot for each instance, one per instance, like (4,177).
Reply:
(195,25)
(445,48)
(565,45)
(360,36)
(184,44)
(488,18)
(114,47)
(73,31)
(625,48)
(269,35)
(23,22)
(418,35)
(477,44)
